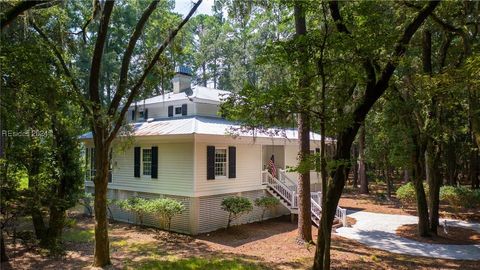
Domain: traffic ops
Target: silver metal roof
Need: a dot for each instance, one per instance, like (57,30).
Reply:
(206,126)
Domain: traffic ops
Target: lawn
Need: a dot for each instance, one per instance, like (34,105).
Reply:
(266,245)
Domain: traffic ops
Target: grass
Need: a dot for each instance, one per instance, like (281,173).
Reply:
(78,236)
(197,263)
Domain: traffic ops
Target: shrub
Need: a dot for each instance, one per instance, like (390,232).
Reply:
(87,201)
(166,208)
(236,206)
(135,205)
(460,196)
(266,203)
(406,194)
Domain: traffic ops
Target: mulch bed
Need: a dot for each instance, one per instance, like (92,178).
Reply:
(455,236)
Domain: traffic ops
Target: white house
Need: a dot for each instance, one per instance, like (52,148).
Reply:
(182,149)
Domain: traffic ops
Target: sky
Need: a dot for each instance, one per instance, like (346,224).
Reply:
(184,6)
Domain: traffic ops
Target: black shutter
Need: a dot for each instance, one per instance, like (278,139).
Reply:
(154,168)
(184,109)
(136,169)
(317,159)
(133,115)
(210,162)
(170,111)
(145,114)
(232,162)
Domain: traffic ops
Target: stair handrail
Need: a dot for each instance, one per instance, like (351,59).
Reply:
(281,188)
(341,214)
(315,205)
(283,176)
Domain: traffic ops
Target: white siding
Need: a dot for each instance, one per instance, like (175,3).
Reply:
(291,154)
(175,169)
(160,110)
(204,109)
(212,217)
(248,170)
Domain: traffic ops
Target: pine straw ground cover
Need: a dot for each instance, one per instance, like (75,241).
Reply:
(267,245)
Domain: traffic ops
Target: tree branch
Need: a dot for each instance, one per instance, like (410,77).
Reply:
(98,54)
(122,84)
(18,9)
(63,64)
(337,17)
(447,27)
(139,83)
(373,93)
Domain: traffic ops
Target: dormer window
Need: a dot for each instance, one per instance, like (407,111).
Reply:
(177,110)
(144,114)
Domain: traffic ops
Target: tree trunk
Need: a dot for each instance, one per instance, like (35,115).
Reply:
(332,197)
(204,74)
(355,168)
(418,173)
(362,173)
(434,184)
(473,169)
(35,209)
(388,178)
(304,205)
(451,163)
(102,246)
(3,251)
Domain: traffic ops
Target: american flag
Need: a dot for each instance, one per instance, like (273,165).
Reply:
(271,167)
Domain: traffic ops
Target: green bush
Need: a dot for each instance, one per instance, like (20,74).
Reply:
(460,196)
(236,206)
(266,202)
(406,194)
(138,206)
(166,208)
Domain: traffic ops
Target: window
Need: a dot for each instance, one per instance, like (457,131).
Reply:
(178,110)
(89,163)
(220,162)
(147,161)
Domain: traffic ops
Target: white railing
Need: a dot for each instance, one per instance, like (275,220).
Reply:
(341,214)
(281,188)
(316,211)
(287,189)
(282,176)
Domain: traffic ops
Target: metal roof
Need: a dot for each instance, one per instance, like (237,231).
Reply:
(206,126)
(204,94)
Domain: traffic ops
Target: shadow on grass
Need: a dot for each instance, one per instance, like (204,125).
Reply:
(198,263)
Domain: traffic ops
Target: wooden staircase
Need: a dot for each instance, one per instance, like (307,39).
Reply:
(285,189)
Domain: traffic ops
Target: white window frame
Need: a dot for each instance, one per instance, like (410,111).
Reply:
(226,163)
(143,163)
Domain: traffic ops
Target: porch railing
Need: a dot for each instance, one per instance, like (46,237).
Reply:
(281,188)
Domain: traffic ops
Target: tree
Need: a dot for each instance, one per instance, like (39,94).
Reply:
(48,153)
(374,88)
(304,203)
(362,171)
(107,118)
(266,203)
(236,206)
